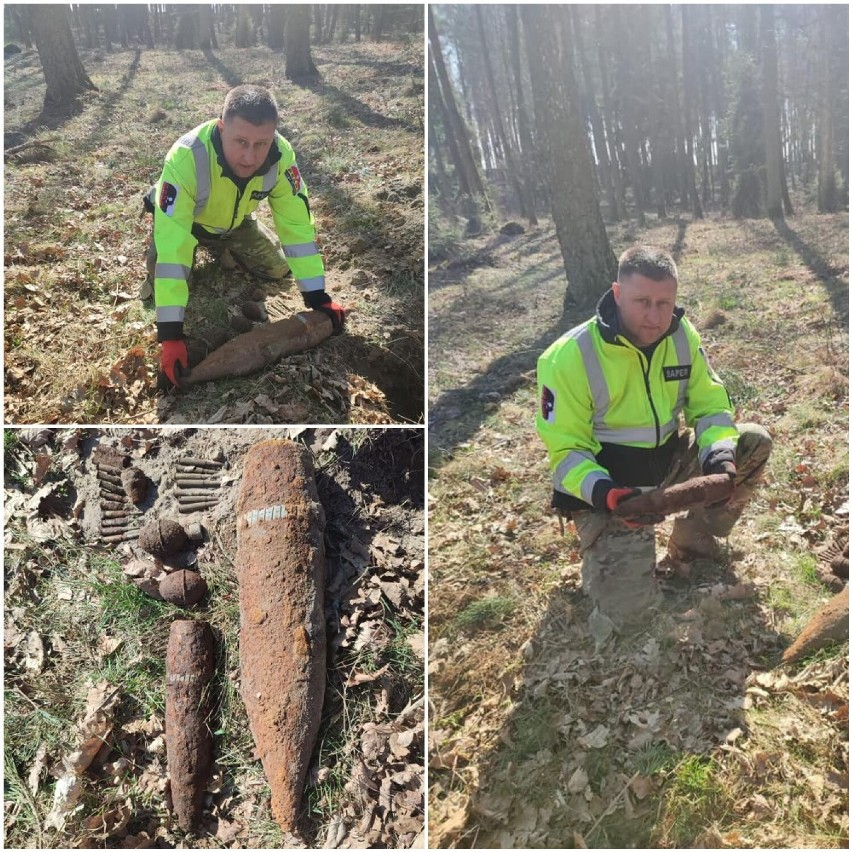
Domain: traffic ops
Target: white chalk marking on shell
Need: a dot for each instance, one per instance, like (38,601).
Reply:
(270,513)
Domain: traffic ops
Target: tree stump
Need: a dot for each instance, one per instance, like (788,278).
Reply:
(281,573)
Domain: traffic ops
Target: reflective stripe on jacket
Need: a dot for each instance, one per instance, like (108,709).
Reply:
(195,188)
(608,412)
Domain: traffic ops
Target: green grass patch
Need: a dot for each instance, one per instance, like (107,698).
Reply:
(484,614)
(693,799)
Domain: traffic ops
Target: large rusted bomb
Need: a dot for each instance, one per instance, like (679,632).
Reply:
(190,661)
(183,588)
(263,345)
(163,538)
(281,573)
(701,491)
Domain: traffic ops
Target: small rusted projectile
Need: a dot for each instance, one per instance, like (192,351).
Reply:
(701,491)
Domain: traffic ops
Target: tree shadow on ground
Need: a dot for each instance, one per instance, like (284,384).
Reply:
(838,290)
(106,105)
(390,68)
(351,106)
(593,729)
(227,74)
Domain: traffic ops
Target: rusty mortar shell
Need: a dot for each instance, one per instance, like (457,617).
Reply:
(109,477)
(111,487)
(281,574)
(186,479)
(113,506)
(192,461)
(190,660)
(196,501)
(163,538)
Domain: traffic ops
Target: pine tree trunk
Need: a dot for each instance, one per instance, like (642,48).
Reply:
(528,153)
(275,27)
(827,181)
(469,174)
(590,264)
(521,200)
(771,125)
(299,64)
(64,73)
(689,97)
(594,118)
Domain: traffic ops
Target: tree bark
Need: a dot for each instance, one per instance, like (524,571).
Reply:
(468,173)
(771,123)
(689,99)
(590,264)
(827,180)
(523,202)
(64,73)
(299,64)
(275,27)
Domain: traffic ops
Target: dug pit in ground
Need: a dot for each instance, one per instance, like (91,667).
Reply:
(281,574)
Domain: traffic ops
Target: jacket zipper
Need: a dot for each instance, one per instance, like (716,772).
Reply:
(646,374)
(236,207)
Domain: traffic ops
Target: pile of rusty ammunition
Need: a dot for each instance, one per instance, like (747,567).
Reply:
(122,489)
(197,484)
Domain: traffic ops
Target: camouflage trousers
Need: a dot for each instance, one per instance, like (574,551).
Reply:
(619,561)
(252,245)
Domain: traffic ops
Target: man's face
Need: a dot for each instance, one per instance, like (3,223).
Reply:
(645,307)
(245,145)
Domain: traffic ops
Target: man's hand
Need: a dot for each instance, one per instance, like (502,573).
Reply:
(336,314)
(172,354)
(722,461)
(606,495)
(319,300)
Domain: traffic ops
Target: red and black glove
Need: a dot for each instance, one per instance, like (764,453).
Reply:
(173,358)
(319,300)
(606,495)
(720,461)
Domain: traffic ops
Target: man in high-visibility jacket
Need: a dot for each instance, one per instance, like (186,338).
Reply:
(213,179)
(611,391)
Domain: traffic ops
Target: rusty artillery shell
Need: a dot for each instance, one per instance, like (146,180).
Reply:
(196,462)
(125,536)
(830,623)
(110,478)
(703,490)
(197,477)
(188,508)
(190,660)
(115,522)
(119,513)
(111,488)
(188,494)
(163,538)
(281,573)
(114,506)
(263,345)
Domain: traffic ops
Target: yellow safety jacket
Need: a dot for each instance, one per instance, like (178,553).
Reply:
(610,411)
(198,188)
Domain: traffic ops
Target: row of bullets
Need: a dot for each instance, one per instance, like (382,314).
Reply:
(118,485)
(197,484)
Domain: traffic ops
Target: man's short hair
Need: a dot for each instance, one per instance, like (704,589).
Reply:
(251,103)
(650,261)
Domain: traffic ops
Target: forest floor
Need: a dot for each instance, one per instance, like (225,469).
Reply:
(80,346)
(85,647)
(689,734)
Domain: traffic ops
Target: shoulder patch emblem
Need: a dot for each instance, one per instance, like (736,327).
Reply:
(548,404)
(168,198)
(294,178)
